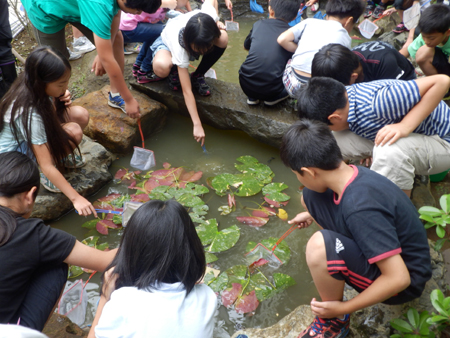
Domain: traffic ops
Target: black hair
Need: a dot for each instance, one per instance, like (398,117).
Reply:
(435,19)
(28,94)
(285,10)
(335,61)
(320,97)
(310,144)
(201,30)
(18,174)
(159,244)
(345,8)
(147,6)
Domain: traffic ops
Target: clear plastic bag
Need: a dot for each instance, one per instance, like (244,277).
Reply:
(73,302)
(143,159)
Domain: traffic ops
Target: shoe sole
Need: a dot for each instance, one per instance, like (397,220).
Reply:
(252,103)
(83,50)
(149,80)
(111,104)
(272,103)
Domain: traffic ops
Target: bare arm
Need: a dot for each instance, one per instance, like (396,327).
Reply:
(199,133)
(90,258)
(45,161)
(286,40)
(432,89)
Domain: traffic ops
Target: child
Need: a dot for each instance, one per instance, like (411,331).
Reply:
(370,61)
(261,74)
(306,38)
(404,123)
(36,118)
(151,287)
(185,36)
(99,22)
(431,48)
(7,60)
(34,256)
(372,237)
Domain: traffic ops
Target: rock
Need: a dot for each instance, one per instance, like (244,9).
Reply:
(396,40)
(386,24)
(60,326)
(226,108)
(421,193)
(371,322)
(86,180)
(114,129)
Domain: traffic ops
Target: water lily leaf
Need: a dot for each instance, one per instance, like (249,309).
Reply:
(200,209)
(101,228)
(109,224)
(283,281)
(253,221)
(273,191)
(247,159)
(225,210)
(120,173)
(274,203)
(247,303)
(263,289)
(160,193)
(189,200)
(75,271)
(230,295)
(209,182)
(219,283)
(258,171)
(237,274)
(221,183)
(264,212)
(118,202)
(256,264)
(171,174)
(207,231)
(90,224)
(282,214)
(117,219)
(166,165)
(109,198)
(209,278)
(190,176)
(210,257)
(225,239)
(249,187)
(102,246)
(250,246)
(193,189)
(282,251)
(90,241)
(140,198)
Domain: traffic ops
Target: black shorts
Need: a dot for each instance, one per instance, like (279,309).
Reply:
(345,261)
(440,62)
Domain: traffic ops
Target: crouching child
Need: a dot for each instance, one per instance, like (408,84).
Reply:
(371,237)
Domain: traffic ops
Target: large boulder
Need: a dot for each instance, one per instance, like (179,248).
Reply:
(59,326)
(226,108)
(371,322)
(86,180)
(114,129)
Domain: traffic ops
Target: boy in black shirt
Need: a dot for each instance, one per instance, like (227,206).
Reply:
(260,76)
(371,237)
(370,61)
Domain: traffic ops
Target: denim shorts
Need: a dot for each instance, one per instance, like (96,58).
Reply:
(158,45)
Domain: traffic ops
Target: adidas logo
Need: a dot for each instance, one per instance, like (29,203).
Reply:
(339,246)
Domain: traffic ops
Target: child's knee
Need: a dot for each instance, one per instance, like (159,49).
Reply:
(424,55)
(161,67)
(315,250)
(74,130)
(79,115)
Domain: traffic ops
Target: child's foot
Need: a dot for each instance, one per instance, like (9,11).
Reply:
(174,80)
(369,11)
(116,101)
(79,161)
(82,45)
(135,69)
(146,77)
(379,10)
(199,83)
(327,328)
(47,184)
(73,55)
(130,48)
(272,103)
(400,28)
(252,102)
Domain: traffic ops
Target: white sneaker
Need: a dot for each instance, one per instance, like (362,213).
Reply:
(82,45)
(73,55)
(130,48)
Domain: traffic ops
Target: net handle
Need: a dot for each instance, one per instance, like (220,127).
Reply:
(140,131)
(292,228)
(231,11)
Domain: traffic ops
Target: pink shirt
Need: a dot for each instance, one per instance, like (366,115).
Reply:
(128,22)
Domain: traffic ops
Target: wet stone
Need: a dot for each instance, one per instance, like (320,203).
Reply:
(60,326)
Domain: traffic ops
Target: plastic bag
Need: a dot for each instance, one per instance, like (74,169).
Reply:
(73,302)
(143,159)
(255,7)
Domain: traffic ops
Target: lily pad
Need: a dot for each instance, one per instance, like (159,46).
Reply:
(207,231)
(253,221)
(225,239)
(275,203)
(210,257)
(230,295)
(221,183)
(75,271)
(90,224)
(90,241)
(247,303)
(160,193)
(283,281)
(189,200)
(282,251)
(264,212)
(237,274)
(249,187)
(224,210)
(219,283)
(101,228)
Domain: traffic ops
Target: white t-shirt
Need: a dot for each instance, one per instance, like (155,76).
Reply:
(311,35)
(162,313)
(7,140)
(170,34)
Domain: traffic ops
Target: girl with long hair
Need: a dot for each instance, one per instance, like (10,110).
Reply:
(150,288)
(37,118)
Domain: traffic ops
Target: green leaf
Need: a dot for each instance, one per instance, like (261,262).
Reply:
(413,317)
(209,278)
(258,171)
(90,241)
(221,183)
(197,189)
(437,319)
(440,243)
(431,211)
(283,281)
(117,219)
(250,246)
(262,288)
(237,274)
(247,159)
(210,257)
(207,231)
(249,187)
(427,218)
(102,246)
(444,202)
(436,295)
(200,209)
(395,336)
(219,283)
(90,224)
(160,193)
(440,231)
(401,325)
(75,271)
(429,225)
(225,239)
(438,306)
(224,210)
(282,251)
(273,191)
(189,200)
(446,303)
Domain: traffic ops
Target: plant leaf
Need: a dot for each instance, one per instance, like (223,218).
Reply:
(101,228)
(247,303)
(253,221)
(401,325)
(109,198)
(230,295)
(273,192)
(440,231)
(440,243)
(231,201)
(225,239)
(282,214)
(274,203)
(189,200)
(249,187)
(427,218)
(220,282)
(224,210)
(207,231)
(413,317)
(209,277)
(282,251)
(236,274)
(90,224)
(102,247)
(210,257)
(75,271)
(431,211)
(221,183)
(283,281)
(90,241)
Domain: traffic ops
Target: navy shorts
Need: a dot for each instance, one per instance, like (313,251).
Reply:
(440,62)
(345,261)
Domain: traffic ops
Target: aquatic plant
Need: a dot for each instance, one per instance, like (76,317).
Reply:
(438,218)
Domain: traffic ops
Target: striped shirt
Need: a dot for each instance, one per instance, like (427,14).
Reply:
(376,104)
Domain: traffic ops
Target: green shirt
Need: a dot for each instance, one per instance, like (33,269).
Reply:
(50,16)
(418,42)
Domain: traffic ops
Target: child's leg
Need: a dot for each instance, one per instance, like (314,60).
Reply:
(352,146)
(209,59)
(56,40)
(117,45)
(162,63)
(78,115)
(424,58)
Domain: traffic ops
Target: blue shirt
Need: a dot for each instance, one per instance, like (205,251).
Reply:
(373,105)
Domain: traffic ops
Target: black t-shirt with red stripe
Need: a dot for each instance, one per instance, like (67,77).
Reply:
(380,218)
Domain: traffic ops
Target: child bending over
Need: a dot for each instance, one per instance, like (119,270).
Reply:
(371,237)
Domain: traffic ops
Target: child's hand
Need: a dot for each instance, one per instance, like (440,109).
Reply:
(390,134)
(132,108)
(97,67)
(84,207)
(327,309)
(199,134)
(366,161)
(228,4)
(66,98)
(303,220)
(220,25)
(171,4)
(310,3)
(389,11)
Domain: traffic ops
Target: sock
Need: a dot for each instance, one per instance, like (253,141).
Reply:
(114,94)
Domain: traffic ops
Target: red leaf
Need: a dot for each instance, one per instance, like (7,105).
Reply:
(230,295)
(247,303)
(109,224)
(232,201)
(109,198)
(109,217)
(137,172)
(105,206)
(166,165)
(275,204)
(151,184)
(120,173)
(140,198)
(256,264)
(101,228)
(253,221)
(191,176)
(132,185)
